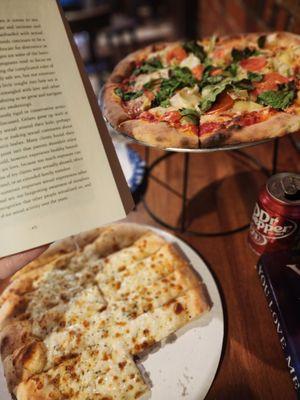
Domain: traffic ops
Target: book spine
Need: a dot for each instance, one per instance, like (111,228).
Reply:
(279,324)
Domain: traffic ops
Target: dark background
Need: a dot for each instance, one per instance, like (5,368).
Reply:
(106,30)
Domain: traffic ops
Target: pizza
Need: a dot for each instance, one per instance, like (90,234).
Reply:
(211,93)
(73,321)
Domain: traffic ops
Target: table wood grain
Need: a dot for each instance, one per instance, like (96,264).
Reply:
(222,191)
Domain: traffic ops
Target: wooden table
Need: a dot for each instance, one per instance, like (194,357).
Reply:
(222,195)
(222,191)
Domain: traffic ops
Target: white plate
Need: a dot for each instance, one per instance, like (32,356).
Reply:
(185,368)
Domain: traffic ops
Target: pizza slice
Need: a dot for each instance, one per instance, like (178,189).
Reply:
(154,326)
(119,275)
(23,340)
(249,91)
(118,324)
(101,372)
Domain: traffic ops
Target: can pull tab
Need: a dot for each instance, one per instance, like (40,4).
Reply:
(291,187)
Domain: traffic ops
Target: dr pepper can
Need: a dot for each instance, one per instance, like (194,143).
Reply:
(275,223)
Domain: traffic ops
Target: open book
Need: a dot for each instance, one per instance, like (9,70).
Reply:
(59,174)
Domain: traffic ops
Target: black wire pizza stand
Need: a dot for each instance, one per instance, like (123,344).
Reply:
(182,227)
(171,152)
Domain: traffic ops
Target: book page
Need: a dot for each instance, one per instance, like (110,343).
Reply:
(55,177)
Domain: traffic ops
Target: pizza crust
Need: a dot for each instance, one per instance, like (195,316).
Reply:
(158,134)
(276,126)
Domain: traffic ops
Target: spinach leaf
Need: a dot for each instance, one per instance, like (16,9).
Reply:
(255,77)
(213,92)
(151,65)
(179,78)
(190,114)
(244,84)
(238,55)
(278,99)
(232,69)
(261,41)
(151,84)
(129,95)
(183,75)
(195,48)
(119,92)
(167,89)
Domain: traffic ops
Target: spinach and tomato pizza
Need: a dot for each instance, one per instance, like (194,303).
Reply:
(214,92)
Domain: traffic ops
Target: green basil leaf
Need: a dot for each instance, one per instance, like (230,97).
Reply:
(179,78)
(280,99)
(207,102)
(195,48)
(129,95)
(119,92)
(238,55)
(151,65)
(255,77)
(244,84)
(165,103)
(183,75)
(151,84)
(132,95)
(261,41)
(190,114)
(232,69)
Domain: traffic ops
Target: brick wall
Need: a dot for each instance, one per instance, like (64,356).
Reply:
(232,16)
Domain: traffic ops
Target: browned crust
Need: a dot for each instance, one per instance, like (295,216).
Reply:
(276,126)
(159,134)
(112,108)
(280,35)
(59,249)
(14,336)
(124,68)
(25,362)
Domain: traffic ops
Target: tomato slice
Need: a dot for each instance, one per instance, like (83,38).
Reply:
(270,82)
(217,71)
(147,116)
(178,53)
(171,116)
(198,71)
(209,127)
(223,103)
(189,128)
(253,64)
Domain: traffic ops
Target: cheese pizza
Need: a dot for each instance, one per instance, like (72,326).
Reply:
(211,93)
(73,320)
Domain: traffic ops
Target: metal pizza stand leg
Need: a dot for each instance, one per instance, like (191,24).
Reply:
(182,228)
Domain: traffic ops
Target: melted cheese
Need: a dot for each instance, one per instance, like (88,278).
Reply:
(246,106)
(186,98)
(191,61)
(142,79)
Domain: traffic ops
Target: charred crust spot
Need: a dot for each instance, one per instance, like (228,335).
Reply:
(122,364)
(178,308)
(29,352)
(86,324)
(62,324)
(106,357)
(4,343)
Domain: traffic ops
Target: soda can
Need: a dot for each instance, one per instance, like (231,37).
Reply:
(275,223)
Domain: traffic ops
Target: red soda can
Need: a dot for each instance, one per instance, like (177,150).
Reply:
(275,223)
